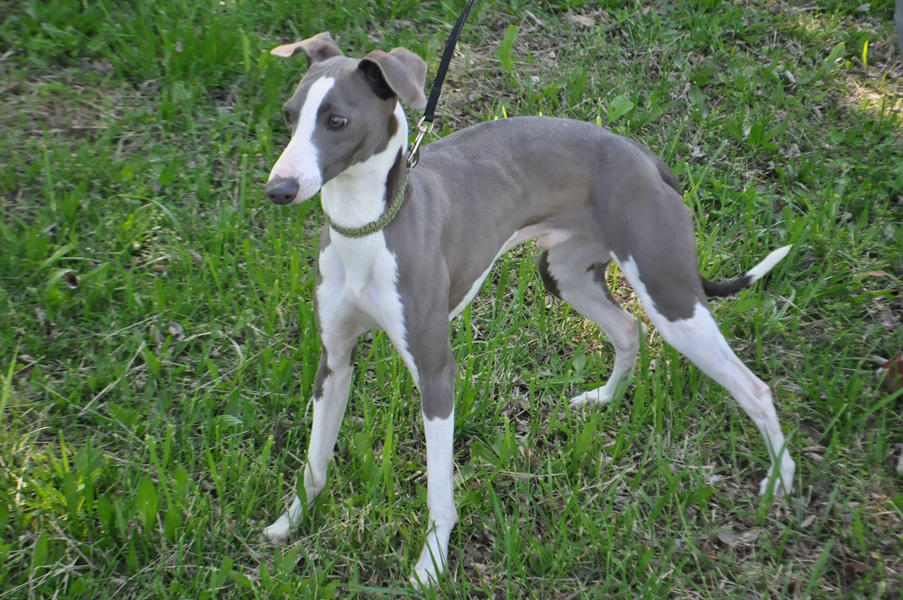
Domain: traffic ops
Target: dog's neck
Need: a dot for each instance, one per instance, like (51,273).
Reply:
(360,194)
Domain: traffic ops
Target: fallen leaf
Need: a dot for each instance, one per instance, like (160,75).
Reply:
(176,331)
(736,538)
(893,374)
(792,151)
(102,66)
(583,20)
(887,318)
(71,279)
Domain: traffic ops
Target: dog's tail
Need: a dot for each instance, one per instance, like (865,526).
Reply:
(727,288)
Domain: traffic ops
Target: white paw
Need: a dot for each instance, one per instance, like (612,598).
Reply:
(431,563)
(425,574)
(277,533)
(599,396)
(778,487)
(785,483)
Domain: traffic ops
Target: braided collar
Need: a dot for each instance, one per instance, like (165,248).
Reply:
(377,225)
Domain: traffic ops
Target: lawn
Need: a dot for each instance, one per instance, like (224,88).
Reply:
(158,343)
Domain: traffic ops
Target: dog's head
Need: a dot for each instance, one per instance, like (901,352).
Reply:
(341,114)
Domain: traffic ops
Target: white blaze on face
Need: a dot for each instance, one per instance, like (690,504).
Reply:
(299,160)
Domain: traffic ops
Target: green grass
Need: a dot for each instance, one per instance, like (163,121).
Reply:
(158,346)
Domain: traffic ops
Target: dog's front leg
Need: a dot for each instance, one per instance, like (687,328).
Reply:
(437,393)
(331,389)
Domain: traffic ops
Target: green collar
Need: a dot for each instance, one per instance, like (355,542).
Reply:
(377,225)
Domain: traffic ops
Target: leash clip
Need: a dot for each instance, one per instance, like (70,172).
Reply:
(425,125)
(423,129)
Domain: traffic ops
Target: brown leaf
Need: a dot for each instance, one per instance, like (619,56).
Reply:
(893,374)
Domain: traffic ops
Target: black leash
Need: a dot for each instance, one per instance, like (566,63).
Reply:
(425,125)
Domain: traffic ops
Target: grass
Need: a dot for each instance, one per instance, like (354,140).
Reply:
(158,347)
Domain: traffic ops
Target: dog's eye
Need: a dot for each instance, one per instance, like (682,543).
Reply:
(337,122)
(288,117)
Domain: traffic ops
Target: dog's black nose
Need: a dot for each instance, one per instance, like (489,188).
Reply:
(282,190)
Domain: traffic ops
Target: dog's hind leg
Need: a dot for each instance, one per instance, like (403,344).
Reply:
(574,271)
(696,335)
(331,388)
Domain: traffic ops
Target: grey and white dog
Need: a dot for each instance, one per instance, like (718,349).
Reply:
(586,195)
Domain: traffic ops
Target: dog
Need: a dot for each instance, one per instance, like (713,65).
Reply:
(406,250)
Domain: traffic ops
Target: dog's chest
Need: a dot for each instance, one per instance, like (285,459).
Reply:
(360,276)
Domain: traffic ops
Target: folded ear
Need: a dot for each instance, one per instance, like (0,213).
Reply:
(320,47)
(400,72)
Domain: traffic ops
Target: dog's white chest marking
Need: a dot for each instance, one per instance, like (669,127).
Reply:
(360,275)
(359,279)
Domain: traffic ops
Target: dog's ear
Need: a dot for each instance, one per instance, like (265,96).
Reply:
(320,47)
(397,73)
